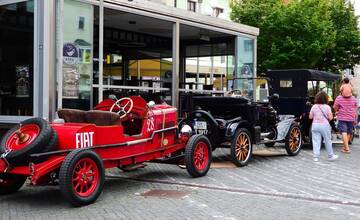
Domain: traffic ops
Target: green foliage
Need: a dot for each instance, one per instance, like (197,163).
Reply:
(302,33)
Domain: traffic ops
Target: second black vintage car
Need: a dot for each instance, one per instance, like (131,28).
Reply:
(241,118)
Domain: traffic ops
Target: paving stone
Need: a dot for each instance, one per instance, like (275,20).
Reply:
(270,187)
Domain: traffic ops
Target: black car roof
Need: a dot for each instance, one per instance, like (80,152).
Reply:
(309,74)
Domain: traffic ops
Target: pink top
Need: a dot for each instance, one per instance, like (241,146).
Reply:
(320,113)
(346,90)
(347,108)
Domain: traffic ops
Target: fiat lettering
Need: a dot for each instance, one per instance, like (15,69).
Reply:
(84,139)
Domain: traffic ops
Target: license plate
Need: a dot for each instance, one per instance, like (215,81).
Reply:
(201,125)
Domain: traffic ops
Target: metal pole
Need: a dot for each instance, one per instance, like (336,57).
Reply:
(101,49)
(175,67)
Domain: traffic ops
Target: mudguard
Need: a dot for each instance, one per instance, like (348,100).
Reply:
(232,128)
(213,124)
(283,128)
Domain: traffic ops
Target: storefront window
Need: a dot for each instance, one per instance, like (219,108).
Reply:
(78,53)
(16,58)
(137,56)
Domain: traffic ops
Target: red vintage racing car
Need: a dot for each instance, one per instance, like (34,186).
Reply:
(74,150)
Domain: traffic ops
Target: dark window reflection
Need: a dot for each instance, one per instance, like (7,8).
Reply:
(16,58)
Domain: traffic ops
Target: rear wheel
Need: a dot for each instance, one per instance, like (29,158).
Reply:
(241,147)
(81,177)
(198,155)
(10,183)
(293,140)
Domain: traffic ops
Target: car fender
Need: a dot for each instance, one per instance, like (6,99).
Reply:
(283,128)
(214,126)
(234,126)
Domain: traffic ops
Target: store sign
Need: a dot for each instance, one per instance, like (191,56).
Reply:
(70,54)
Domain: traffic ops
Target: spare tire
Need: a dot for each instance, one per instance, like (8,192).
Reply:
(37,133)
(51,146)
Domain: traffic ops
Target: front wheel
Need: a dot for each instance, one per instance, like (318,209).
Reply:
(241,147)
(198,155)
(293,140)
(81,177)
(10,183)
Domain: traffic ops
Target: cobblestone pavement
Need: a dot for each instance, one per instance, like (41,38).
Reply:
(270,187)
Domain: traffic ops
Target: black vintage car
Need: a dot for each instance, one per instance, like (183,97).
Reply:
(241,118)
(297,89)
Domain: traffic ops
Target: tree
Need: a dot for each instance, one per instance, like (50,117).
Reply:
(300,33)
(346,51)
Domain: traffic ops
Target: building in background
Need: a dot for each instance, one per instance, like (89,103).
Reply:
(74,53)
(215,8)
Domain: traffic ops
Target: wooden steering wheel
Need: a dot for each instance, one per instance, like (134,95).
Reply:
(122,104)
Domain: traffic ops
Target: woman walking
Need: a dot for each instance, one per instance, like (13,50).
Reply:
(321,115)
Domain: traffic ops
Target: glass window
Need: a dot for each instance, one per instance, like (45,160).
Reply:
(137,56)
(191,6)
(16,58)
(217,11)
(285,83)
(245,57)
(78,54)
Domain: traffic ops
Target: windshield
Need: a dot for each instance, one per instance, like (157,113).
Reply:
(255,89)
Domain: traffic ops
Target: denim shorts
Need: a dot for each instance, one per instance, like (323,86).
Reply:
(345,126)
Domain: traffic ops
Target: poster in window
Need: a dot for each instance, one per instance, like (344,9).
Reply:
(70,54)
(70,83)
(22,81)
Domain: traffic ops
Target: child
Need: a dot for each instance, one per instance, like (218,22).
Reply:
(346,88)
(321,114)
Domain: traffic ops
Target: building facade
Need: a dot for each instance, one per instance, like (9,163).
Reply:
(74,53)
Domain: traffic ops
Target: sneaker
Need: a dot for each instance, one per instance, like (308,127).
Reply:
(333,157)
(316,159)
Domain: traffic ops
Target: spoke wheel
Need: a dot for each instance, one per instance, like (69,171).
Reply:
(293,141)
(81,177)
(201,155)
(241,147)
(85,177)
(198,155)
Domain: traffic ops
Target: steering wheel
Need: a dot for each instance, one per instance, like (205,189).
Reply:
(234,92)
(122,106)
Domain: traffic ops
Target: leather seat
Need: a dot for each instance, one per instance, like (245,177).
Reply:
(72,115)
(97,117)
(102,118)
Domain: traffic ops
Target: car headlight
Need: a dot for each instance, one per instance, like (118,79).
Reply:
(186,129)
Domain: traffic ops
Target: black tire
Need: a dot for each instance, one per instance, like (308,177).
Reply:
(272,136)
(293,140)
(241,147)
(10,183)
(21,156)
(66,176)
(194,142)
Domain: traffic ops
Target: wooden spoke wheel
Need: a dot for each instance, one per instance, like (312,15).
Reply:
(293,140)
(241,147)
